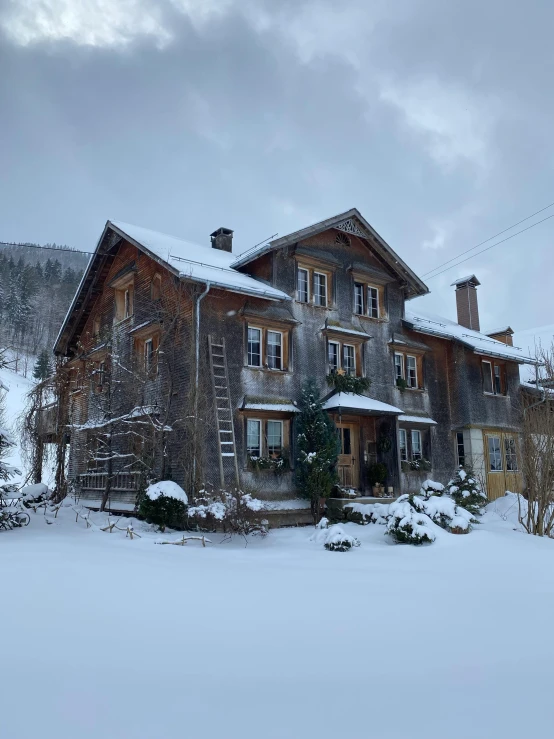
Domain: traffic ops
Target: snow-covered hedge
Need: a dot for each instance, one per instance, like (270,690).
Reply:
(234,512)
(164,504)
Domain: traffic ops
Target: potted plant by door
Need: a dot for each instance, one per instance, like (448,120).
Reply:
(376,475)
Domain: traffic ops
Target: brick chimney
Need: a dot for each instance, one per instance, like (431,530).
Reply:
(466,302)
(222,239)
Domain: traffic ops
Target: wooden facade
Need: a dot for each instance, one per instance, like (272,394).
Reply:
(331,298)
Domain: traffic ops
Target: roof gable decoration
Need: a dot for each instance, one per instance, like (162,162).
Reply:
(350,226)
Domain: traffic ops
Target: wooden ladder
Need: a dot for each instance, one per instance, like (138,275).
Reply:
(228,462)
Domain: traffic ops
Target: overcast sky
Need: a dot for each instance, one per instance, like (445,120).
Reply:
(433,118)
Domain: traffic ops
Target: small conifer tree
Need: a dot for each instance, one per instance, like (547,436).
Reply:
(42,368)
(464,488)
(318,448)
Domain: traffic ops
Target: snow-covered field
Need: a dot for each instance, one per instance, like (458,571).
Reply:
(107,637)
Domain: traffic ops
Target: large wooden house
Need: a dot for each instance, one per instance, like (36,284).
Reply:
(212,349)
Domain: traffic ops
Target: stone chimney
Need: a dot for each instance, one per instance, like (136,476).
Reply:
(222,239)
(466,302)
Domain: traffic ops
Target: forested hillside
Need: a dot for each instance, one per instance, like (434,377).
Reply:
(36,288)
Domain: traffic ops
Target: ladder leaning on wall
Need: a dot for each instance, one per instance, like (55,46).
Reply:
(227,450)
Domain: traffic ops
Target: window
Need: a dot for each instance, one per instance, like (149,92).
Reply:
(128,306)
(96,326)
(460,449)
(124,302)
(411,371)
(373,302)
(403,442)
(274,438)
(494,377)
(349,359)
(149,355)
(156,287)
(399,366)
(495,454)
(510,451)
(320,289)
(416,444)
(274,350)
(358,298)
(254,347)
(487,377)
(333,353)
(253,438)
(303,285)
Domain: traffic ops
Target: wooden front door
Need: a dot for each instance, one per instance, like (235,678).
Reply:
(349,457)
(502,463)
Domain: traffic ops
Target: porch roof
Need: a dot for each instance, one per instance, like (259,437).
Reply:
(361,404)
(417,419)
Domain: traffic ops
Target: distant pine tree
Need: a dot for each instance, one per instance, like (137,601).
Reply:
(43,367)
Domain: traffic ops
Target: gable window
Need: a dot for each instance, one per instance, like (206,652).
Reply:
(494,377)
(460,449)
(156,287)
(303,285)
(408,370)
(495,454)
(349,359)
(148,355)
(333,351)
(373,302)
(128,305)
(254,437)
(124,302)
(358,298)
(274,438)
(96,327)
(320,289)
(274,350)
(254,347)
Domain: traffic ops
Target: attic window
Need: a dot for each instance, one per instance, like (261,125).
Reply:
(342,238)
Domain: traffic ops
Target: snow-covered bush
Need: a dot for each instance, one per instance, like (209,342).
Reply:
(412,516)
(165,505)
(334,538)
(466,491)
(233,512)
(31,495)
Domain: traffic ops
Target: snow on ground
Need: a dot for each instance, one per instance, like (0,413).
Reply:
(108,637)
(14,403)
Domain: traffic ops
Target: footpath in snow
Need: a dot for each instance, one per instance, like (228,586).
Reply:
(108,637)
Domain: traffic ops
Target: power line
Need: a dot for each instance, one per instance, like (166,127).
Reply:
(48,248)
(489,239)
(491,246)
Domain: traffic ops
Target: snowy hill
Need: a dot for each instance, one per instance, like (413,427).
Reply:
(14,403)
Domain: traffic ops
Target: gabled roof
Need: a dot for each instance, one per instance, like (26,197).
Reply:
(189,261)
(433,325)
(352,222)
(471,279)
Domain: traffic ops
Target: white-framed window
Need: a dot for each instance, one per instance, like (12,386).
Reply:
(399,366)
(510,450)
(333,355)
(275,350)
(487,377)
(460,449)
(303,285)
(254,347)
(411,371)
(320,289)
(358,298)
(416,444)
(148,355)
(349,359)
(403,443)
(495,454)
(274,438)
(254,437)
(373,302)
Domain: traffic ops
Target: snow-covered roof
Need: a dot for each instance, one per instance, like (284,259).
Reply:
(417,419)
(351,401)
(277,407)
(430,323)
(344,330)
(196,262)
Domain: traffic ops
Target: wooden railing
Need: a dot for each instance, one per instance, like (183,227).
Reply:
(121,481)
